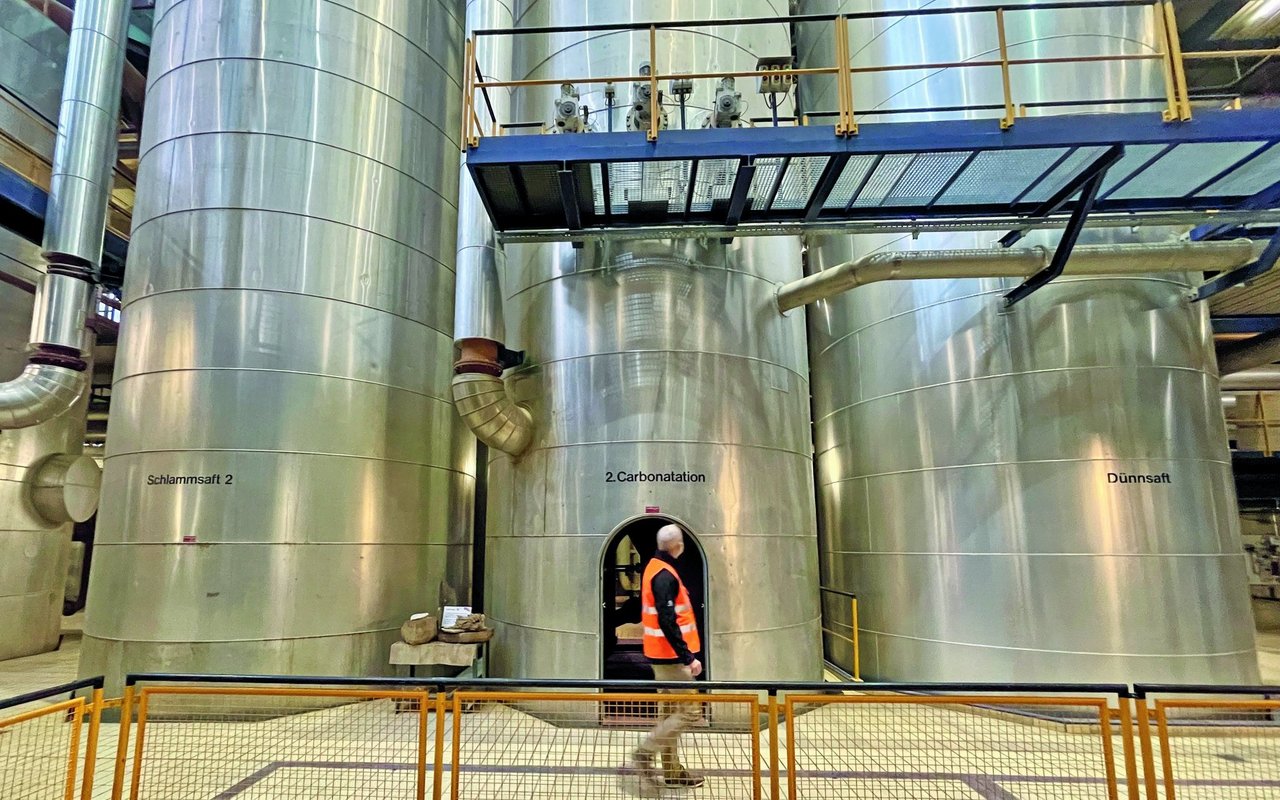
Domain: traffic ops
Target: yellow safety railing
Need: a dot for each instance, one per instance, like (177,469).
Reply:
(1260,421)
(1167,49)
(181,737)
(48,749)
(991,744)
(1199,745)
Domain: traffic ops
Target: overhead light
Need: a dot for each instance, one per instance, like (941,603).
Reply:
(1258,19)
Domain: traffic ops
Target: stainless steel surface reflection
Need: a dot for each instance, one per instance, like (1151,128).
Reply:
(965,455)
(286,345)
(33,57)
(653,357)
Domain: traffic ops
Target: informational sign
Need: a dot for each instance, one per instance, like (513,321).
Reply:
(1125,477)
(640,476)
(451,614)
(216,479)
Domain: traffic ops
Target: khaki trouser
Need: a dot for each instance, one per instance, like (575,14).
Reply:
(673,718)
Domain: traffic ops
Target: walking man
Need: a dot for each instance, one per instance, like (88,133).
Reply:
(672,645)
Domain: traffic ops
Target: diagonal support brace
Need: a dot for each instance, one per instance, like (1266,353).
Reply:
(738,194)
(1070,189)
(1075,224)
(1249,272)
(569,198)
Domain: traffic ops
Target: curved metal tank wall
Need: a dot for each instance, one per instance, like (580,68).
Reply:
(33,550)
(286,345)
(653,357)
(963,453)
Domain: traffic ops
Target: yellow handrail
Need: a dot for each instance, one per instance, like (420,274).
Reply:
(1009,117)
(857,655)
(655,107)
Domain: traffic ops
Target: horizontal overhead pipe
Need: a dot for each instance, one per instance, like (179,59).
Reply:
(83,162)
(1014,263)
(1263,379)
(1256,351)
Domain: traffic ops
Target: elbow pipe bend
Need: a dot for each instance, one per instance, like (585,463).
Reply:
(495,419)
(40,393)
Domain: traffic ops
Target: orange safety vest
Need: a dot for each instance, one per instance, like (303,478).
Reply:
(655,642)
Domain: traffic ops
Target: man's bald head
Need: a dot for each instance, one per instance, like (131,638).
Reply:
(671,540)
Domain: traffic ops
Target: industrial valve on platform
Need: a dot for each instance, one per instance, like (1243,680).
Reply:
(644,104)
(570,114)
(728,108)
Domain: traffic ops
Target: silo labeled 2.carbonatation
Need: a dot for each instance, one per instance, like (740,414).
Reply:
(660,385)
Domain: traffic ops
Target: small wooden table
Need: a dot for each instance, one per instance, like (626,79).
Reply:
(472,658)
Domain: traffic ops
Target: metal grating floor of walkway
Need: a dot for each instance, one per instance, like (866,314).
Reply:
(966,169)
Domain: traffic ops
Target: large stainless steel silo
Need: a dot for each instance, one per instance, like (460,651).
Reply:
(965,451)
(287,477)
(659,382)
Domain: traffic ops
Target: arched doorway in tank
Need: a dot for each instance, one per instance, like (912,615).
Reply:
(626,553)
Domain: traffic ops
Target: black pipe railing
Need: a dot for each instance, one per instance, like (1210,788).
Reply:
(1143,690)
(68,689)
(449,684)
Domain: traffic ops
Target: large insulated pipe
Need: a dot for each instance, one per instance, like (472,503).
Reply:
(1257,351)
(83,159)
(477,309)
(134,83)
(1014,263)
(479,392)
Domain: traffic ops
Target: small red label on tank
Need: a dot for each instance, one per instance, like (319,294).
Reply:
(651,509)
(188,538)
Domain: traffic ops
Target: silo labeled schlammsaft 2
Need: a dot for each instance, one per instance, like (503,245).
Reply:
(287,342)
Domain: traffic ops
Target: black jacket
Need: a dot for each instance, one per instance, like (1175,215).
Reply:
(666,588)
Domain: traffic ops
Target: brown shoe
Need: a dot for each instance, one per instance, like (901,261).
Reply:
(685,779)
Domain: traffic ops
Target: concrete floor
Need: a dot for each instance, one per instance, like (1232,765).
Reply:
(1269,656)
(32,673)
(367,749)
